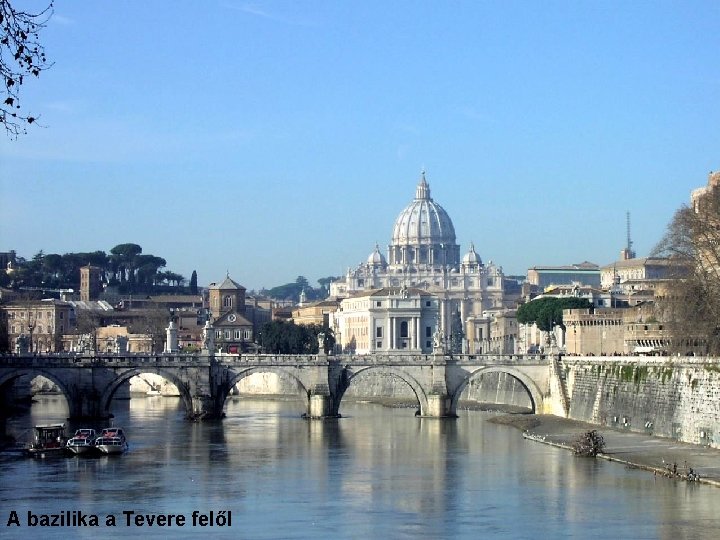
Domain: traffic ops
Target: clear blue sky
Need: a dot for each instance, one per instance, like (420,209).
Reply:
(273,139)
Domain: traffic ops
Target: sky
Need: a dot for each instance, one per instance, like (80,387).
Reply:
(283,138)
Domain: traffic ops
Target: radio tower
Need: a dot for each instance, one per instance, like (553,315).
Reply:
(628,252)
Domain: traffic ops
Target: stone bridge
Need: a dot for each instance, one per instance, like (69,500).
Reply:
(205,381)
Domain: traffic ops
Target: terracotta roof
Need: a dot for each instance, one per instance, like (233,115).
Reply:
(227,284)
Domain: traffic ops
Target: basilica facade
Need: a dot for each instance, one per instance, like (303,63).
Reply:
(424,255)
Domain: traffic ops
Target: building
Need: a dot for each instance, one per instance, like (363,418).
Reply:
(631,330)
(113,339)
(636,274)
(423,254)
(496,333)
(37,326)
(233,332)
(90,283)
(698,195)
(595,332)
(391,320)
(315,313)
(584,273)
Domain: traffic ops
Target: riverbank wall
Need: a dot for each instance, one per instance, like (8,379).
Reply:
(672,397)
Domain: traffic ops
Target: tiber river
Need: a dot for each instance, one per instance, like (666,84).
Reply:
(375,473)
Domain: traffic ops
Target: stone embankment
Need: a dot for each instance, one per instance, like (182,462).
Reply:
(661,456)
(673,397)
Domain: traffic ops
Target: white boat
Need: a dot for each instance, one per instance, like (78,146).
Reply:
(82,442)
(111,441)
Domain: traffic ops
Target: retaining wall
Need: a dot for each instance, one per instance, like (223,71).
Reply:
(671,397)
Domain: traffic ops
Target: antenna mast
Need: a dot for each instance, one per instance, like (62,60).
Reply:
(629,253)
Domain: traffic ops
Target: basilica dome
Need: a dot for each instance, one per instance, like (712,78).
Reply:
(423,221)
(424,232)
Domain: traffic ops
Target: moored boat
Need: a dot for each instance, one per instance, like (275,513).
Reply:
(82,442)
(111,441)
(49,440)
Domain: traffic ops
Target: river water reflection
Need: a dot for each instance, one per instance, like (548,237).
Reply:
(375,473)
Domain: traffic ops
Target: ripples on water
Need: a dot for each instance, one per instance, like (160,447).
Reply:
(375,473)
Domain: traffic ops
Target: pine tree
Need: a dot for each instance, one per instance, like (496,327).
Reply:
(193,283)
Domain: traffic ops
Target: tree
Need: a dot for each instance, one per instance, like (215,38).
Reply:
(122,257)
(21,55)
(153,323)
(193,283)
(281,337)
(589,444)
(546,312)
(691,305)
(147,269)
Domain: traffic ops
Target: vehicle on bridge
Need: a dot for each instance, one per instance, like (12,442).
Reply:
(48,441)
(112,441)
(82,442)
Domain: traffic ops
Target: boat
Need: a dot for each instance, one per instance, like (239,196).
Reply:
(48,441)
(111,441)
(82,442)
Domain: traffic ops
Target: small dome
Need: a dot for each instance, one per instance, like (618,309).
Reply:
(376,258)
(471,257)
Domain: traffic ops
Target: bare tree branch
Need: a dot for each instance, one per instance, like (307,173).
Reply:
(21,55)
(691,306)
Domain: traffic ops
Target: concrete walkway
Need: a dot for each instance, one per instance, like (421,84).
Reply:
(654,454)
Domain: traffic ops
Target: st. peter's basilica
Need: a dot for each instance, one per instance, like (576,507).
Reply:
(424,255)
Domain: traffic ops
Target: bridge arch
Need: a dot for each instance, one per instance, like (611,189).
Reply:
(237,376)
(125,376)
(408,379)
(8,378)
(525,381)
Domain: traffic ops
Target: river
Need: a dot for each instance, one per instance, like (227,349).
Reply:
(375,473)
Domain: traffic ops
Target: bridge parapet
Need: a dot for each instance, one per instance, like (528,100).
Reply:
(48,361)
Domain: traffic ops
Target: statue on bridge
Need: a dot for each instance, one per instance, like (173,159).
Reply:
(208,337)
(438,341)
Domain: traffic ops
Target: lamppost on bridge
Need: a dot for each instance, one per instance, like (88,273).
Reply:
(31,329)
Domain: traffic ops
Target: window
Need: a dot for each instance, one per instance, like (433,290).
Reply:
(248,334)
(39,315)
(237,334)
(218,334)
(378,344)
(427,303)
(378,304)
(428,331)
(427,344)
(227,334)
(61,315)
(227,301)
(403,329)
(378,332)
